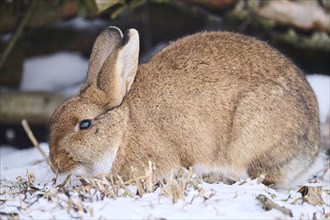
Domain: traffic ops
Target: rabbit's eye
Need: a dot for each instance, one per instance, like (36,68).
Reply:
(85,124)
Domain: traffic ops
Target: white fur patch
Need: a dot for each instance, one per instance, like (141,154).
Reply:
(80,171)
(226,172)
(317,166)
(104,165)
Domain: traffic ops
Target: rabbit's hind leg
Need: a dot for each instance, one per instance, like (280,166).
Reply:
(285,174)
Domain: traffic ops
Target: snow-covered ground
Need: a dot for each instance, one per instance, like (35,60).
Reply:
(202,200)
(27,198)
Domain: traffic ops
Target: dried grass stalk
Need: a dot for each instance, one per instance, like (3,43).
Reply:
(176,186)
(33,139)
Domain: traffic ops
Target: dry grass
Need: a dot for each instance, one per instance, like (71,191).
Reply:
(76,198)
(32,138)
(177,185)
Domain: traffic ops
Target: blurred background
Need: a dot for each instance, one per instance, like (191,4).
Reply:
(45,44)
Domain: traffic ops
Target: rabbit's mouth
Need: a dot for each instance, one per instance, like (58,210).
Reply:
(62,163)
(65,163)
(65,167)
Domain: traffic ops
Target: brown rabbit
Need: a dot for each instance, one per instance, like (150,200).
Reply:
(218,101)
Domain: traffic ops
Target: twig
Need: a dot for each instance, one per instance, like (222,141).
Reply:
(32,138)
(150,180)
(10,214)
(269,204)
(67,178)
(135,179)
(138,183)
(18,33)
(36,200)
(122,185)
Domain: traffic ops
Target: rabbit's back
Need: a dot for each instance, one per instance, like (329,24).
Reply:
(211,73)
(227,101)
(213,57)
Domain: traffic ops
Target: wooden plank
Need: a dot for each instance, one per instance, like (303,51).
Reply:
(36,107)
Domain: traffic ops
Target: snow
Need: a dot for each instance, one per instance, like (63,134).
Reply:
(208,201)
(321,86)
(64,72)
(82,23)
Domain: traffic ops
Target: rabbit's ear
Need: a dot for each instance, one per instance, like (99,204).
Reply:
(118,72)
(104,45)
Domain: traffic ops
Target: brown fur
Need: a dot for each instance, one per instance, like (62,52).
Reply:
(218,100)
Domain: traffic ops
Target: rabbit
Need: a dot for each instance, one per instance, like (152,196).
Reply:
(219,102)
